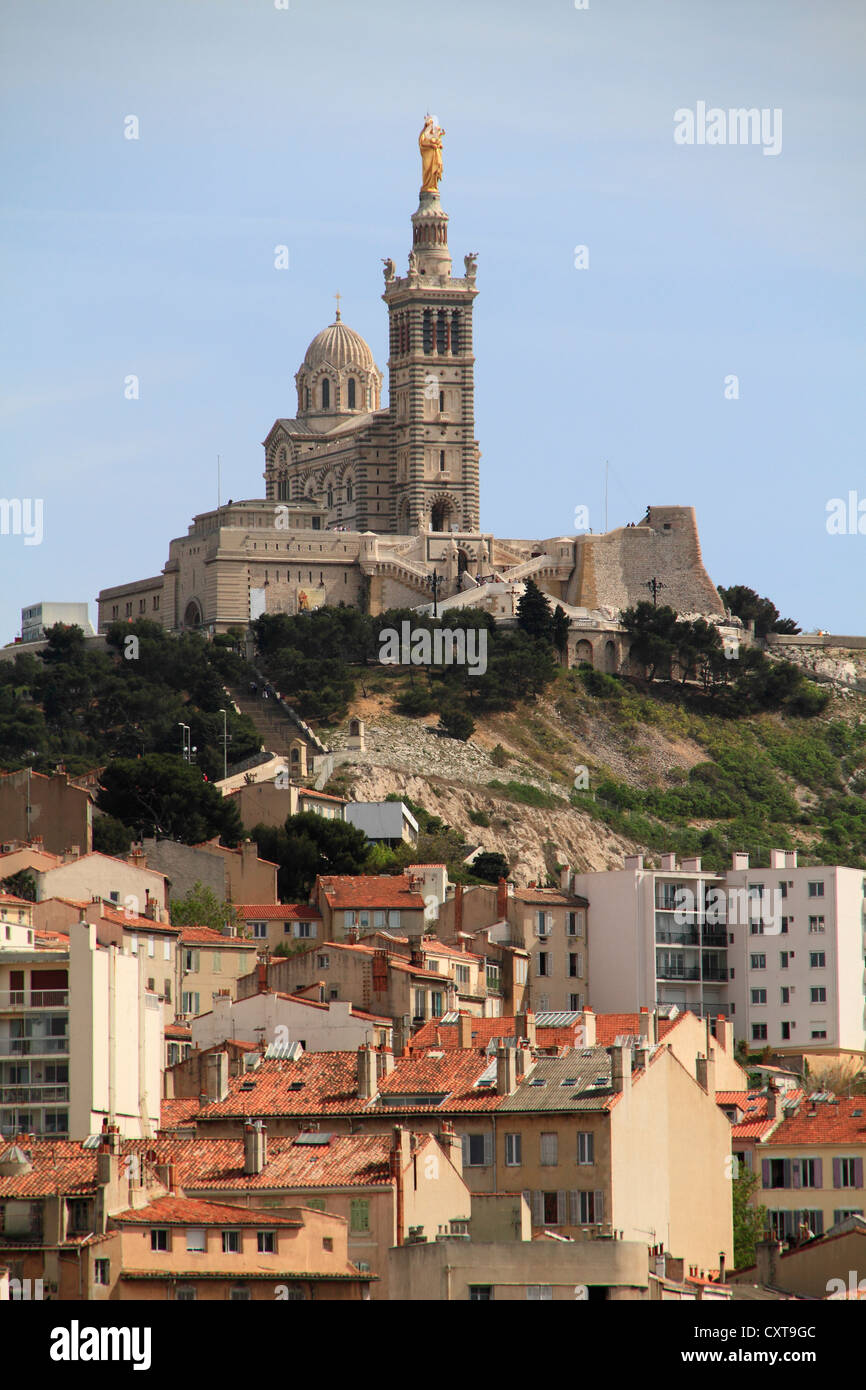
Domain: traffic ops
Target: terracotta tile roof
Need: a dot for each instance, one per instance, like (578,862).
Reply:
(137,923)
(178,1030)
(608,1027)
(190,1211)
(321,796)
(841,1122)
(177,1111)
(450,1075)
(59,1166)
(753,1106)
(206,936)
(394,962)
(319,1004)
(370,890)
(277,912)
(549,897)
(429,944)
(9,899)
(339,1160)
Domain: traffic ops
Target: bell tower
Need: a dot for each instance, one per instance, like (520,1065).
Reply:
(431,370)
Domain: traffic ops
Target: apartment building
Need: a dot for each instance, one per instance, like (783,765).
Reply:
(478,983)
(277,1020)
(274,924)
(659,937)
(271,802)
(376,981)
(189,1250)
(368,901)
(233,875)
(800,984)
(211,962)
(127,883)
(52,807)
(810,1165)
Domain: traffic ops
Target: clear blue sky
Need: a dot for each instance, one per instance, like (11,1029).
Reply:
(261,127)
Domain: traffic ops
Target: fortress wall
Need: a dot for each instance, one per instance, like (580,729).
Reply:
(613,569)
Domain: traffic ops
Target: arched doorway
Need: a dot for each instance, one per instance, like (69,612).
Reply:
(610,658)
(440,516)
(193,615)
(583,652)
(462,561)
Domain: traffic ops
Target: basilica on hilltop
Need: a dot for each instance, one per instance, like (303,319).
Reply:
(364,501)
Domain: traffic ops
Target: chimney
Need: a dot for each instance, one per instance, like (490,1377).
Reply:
(647,1022)
(566,878)
(790,859)
(458,908)
(385,1063)
(73,852)
(367,1080)
(641,1057)
(767,1253)
(668,862)
(524,1027)
(739,860)
(777,859)
(705,1071)
(633,861)
(255,1148)
(691,866)
(452,1145)
(772,1100)
(216,1076)
(502,900)
(464,1031)
(262,977)
(620,1069)
(108,1156)
(724,1034)
(589,1033)
(506,1071)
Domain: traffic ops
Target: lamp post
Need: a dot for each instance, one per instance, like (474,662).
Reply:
(436,580)
(185,740)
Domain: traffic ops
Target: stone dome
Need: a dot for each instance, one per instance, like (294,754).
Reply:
(338,345)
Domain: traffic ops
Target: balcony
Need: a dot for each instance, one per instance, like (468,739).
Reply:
(34,1095)
(34,999)
(715,976)
(672,938)
(34,1047)
(673,971)
(715,939)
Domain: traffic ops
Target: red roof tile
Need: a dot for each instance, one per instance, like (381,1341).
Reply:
(206,936)
(190,1211)
(277,912)
(177,1111)
(370,890)
(340,1160)
(831,1123)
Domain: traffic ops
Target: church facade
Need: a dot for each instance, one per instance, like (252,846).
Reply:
(363,502)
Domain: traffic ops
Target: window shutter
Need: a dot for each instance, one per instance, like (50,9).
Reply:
(599,1206)
(765,1172)
(818,1223)
(819,1172)
(537,1208)
(795,1172)
(464,1139)
(488,1150)
(574,1208)
(562,1208)
(837,1172)
(548,921)
(786,1171)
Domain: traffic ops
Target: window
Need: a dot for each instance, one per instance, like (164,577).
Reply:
(477,1150)
(101,1271)
(480,1293)
(784,929)
(240,1293)
(758,962)
(786,1032)
(259,930)
(842,1213)
(323,962)
(186,1293)
(351,393)
(817,959)
(327,1242)
(783,960)
(359,1215)
(231,1242)
(818,995)
(326,393)
(549,1150)
(816,925)
(196,1239)
(267,1242)
(786,994)
(847,1172)
(334,992)
(816,890)
(759,996)
(166,949)
(809,1173)
(818,1033)
(544,963)
(542,1291)
(190,1002)
(574,923)
(441,460)
(190,962)
(463,976)
(575,1003)
(316,1203)
(783,888)
(543,923)
(513,1151)
(151,946)
(217,961)
(159,1240)
(759,1032)
(590,1208)
(572,963)
(585,1147)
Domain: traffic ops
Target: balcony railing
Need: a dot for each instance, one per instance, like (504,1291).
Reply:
(672,938)
(34,1095)
(674,972)
(33,1047)
(715,938)
(715,976)
(34,999)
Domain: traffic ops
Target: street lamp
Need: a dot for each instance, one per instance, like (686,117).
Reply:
(185,740)
(435,580)
(225,744)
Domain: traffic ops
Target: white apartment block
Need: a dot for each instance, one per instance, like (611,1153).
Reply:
(657,937)
(799,983)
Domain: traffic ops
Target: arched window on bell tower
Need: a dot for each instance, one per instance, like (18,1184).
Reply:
(351,393)
(441,332)
(326,393)
(330,497)
(455,330)
(428,330)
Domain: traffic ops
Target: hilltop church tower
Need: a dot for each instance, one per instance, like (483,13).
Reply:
(431,370)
